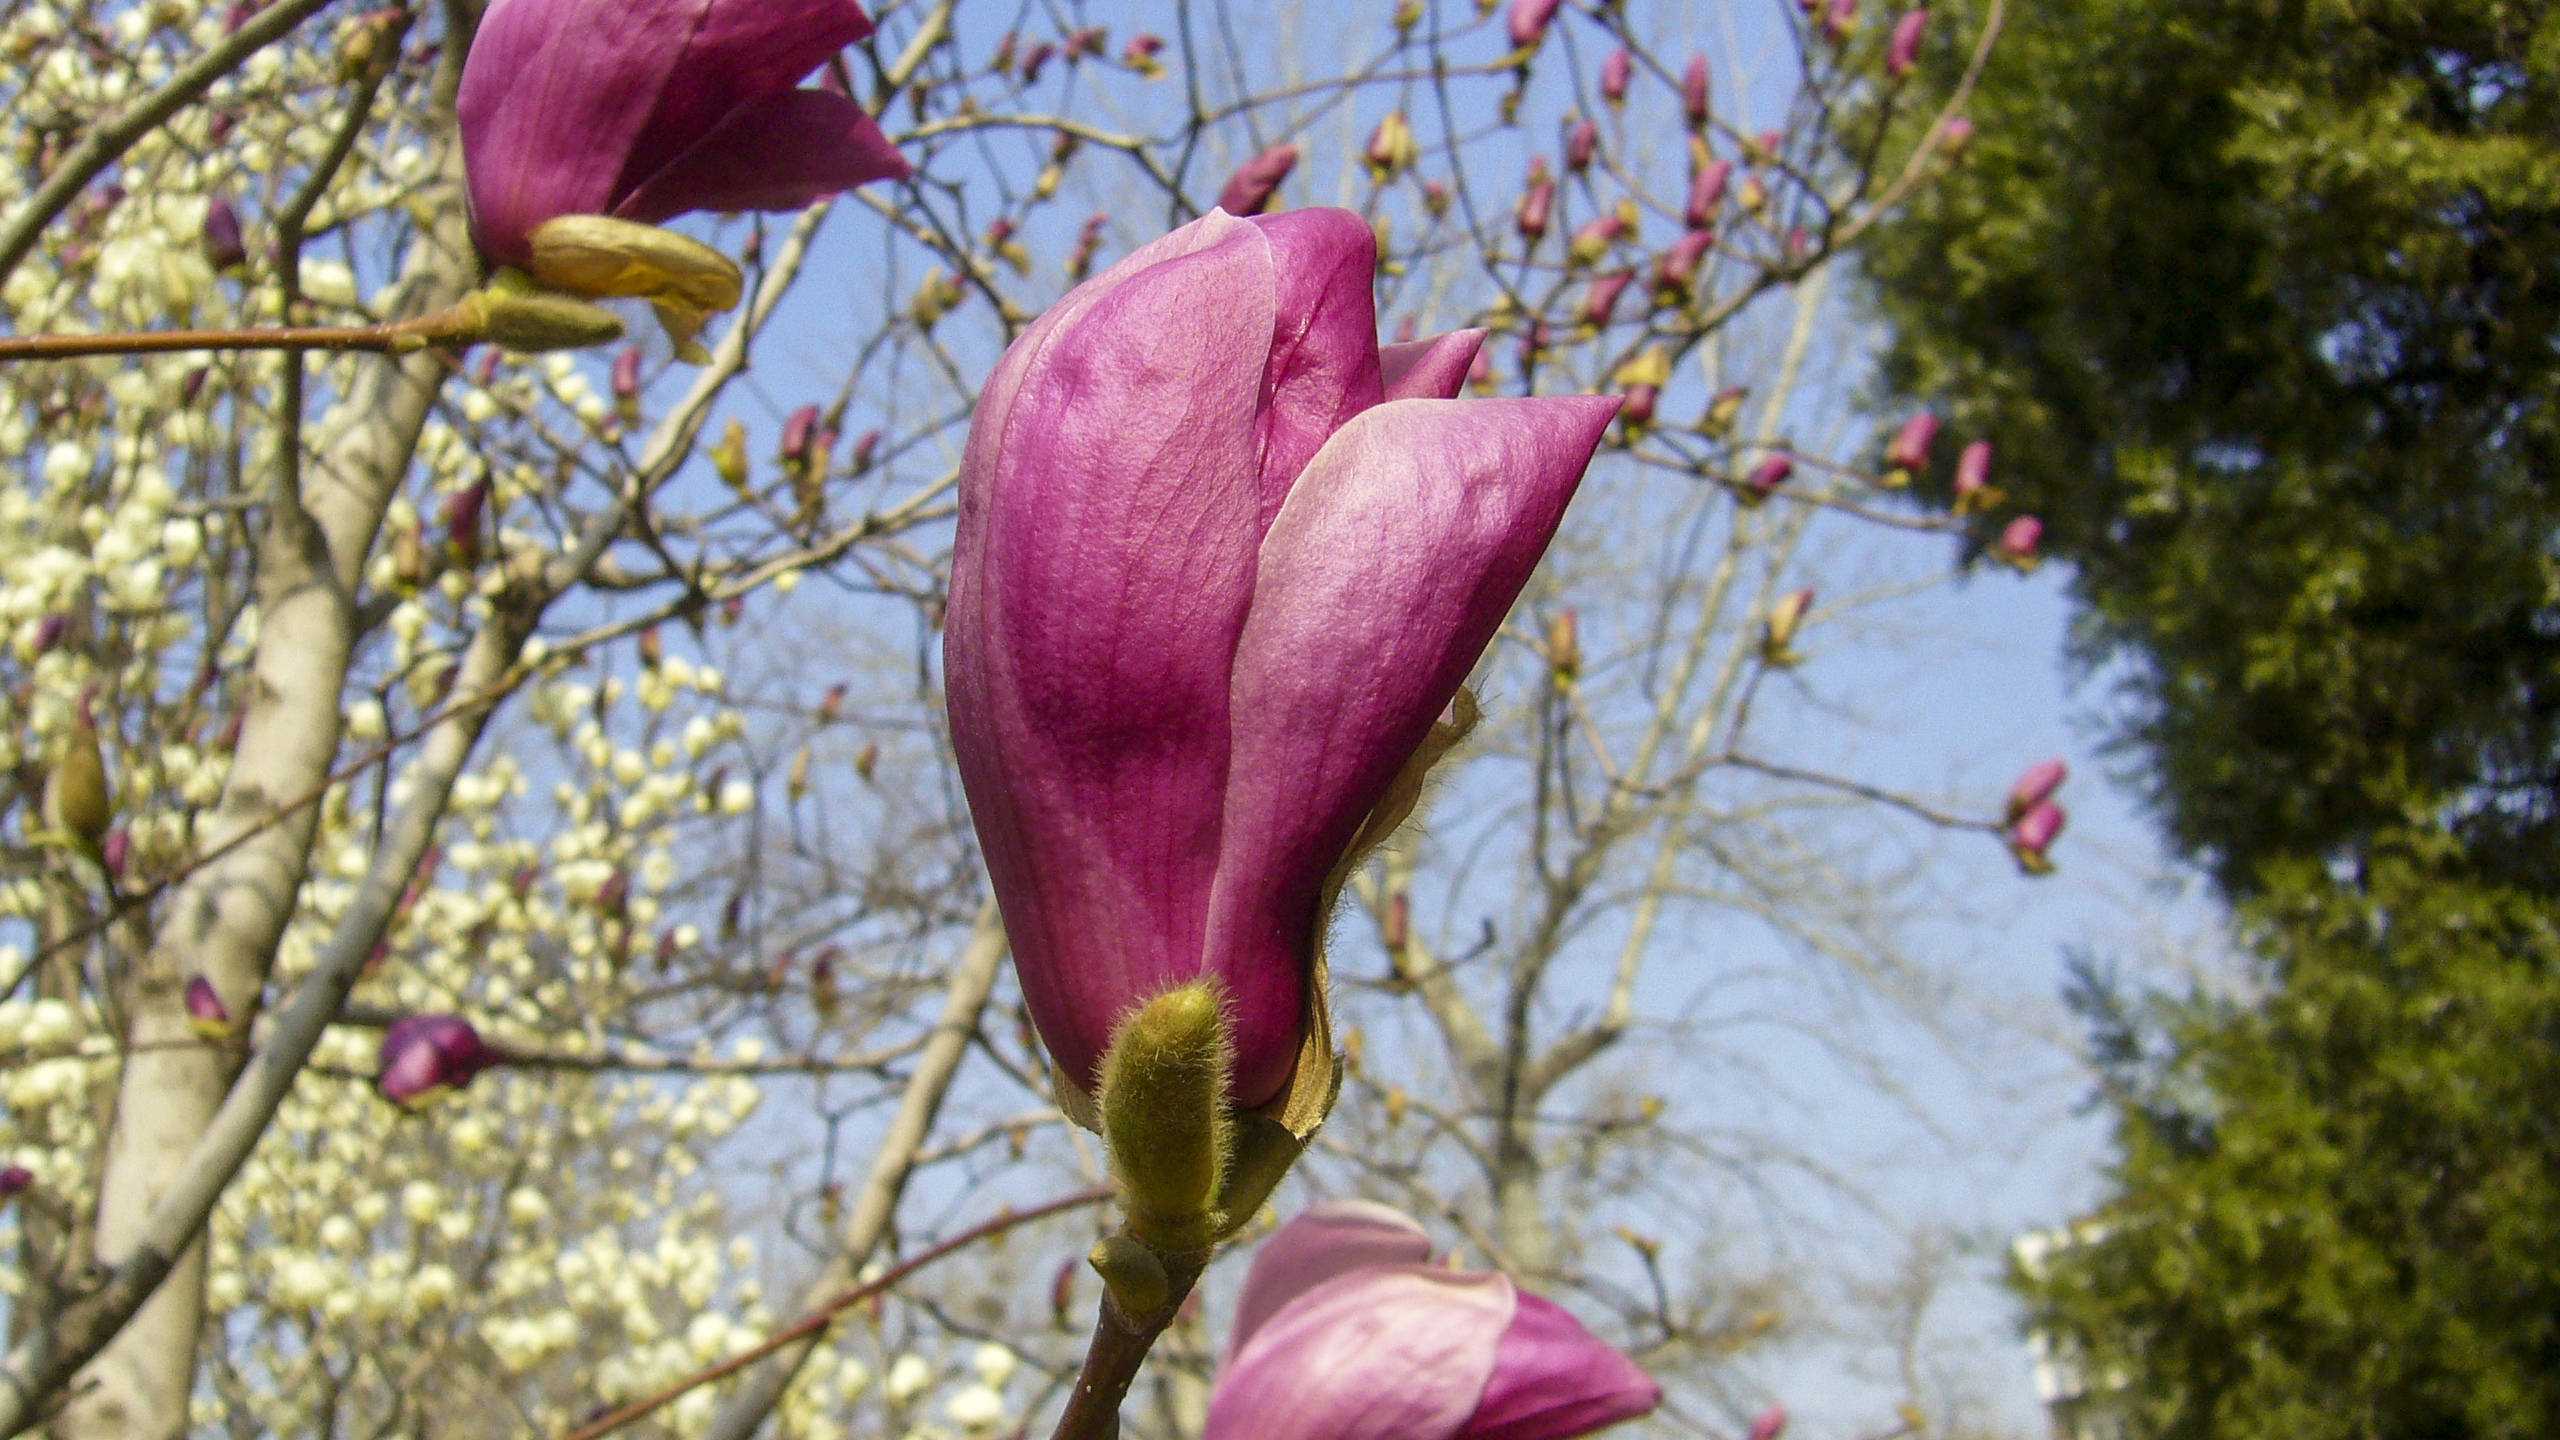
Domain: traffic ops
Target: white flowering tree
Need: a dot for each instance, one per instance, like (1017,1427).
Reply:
(593,697)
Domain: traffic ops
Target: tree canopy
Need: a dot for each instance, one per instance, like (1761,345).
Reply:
(2337,1211)
(2258,304)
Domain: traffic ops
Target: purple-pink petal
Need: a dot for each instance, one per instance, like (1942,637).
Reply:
(1093,621)
(424,1055)
(576,107)
(739,51)
(1324,365)
(1384,1353)
(1553,1380)
(1323,1242)
(1433,369)
(777,153)
(1393,562)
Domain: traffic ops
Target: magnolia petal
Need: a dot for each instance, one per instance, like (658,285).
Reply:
(550,104)
(1433,369)
(1324,360)
(1106,559)
(1391,565)
(1323,1242)
(1385,1353)
(777,153)
(738,52)
(1553,1380)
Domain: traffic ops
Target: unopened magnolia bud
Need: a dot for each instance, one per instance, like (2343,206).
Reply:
(1600,302)
(866,760)
(653,650)
(797,433)
(511,312)
(1908,452)
(425,1057)
(729,456)
(206,1014)
(224,246)
(1140,55)
(1564,649)
(1840,21)
(1132,1273)
(599,257)
(1706,194)
(1615,72)
(1677,270)
(1164,1115)
(1435,198)
(1397,932)
(1974,492)
(116,852)
(1693,93)
(2033,834)
(1062,1295)
(1723,410)
(1250,190)
(1955,137)
(2034,786)
(1769,1424)
(15,1180)
(1753,196)
(1537,203)
(1767,476)
(1581,145)
(77,803)
(1592,239)
(1035,60)
(1392,147)
(462,511)
(2018,541)
(1528,21)
(1904,49)
(626,384)
(1777,641)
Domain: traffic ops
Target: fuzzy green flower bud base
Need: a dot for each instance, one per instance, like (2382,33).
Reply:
(1165,1120)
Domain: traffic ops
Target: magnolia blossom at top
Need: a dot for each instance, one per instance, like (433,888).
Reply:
(1222,562)
(1346,1332)
(647,109)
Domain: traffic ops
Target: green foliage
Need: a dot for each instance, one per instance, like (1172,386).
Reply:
(2336,1215)
(2259,303)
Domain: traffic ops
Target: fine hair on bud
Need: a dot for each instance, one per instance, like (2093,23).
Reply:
(1164,1115)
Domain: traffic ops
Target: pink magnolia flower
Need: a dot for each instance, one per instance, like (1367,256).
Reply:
(1693,92)
(1346,1332)
(2018,541)
(1905,47)
(1537,203)
(2035,785)
(1250,189)
(1767,476)
(2033,834)
(1909,448)
(647,109)
(1600,303)
(1679,264)
(206,1014)
(1529,20)
(1615,73)
(424,1056)
(1222,562)
(1974,491)
(1706,194)
(1581,145)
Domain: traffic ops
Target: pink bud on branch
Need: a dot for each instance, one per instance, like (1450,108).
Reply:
(2033,834)
(425,1057)
(1256,181)
(2034,786)
(1904,49)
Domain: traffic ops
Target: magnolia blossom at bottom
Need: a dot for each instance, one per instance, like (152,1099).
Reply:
(1346,1332)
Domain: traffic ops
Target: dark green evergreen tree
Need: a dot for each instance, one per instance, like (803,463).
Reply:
(2336,1209)
(2260,302)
